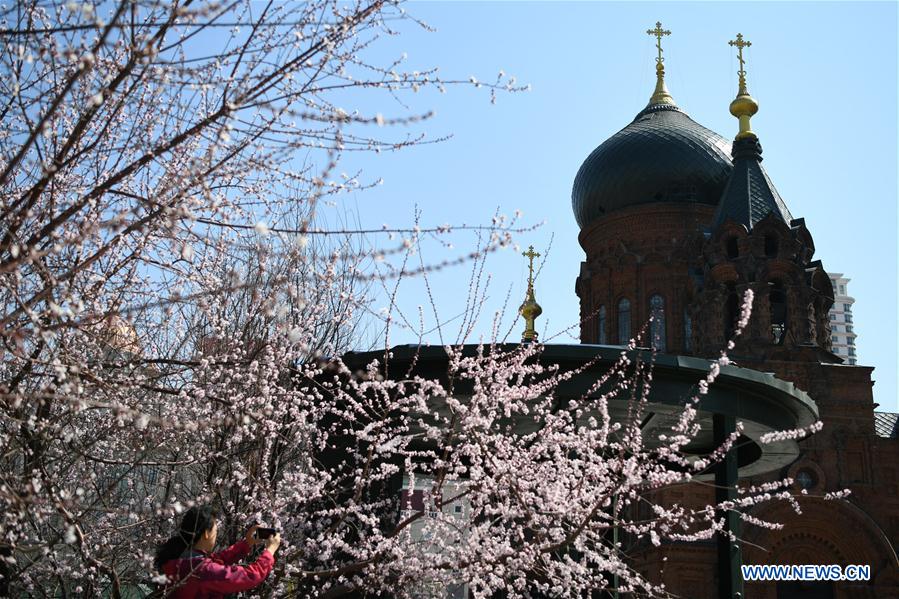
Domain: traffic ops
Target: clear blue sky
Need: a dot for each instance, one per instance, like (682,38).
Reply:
(825,76)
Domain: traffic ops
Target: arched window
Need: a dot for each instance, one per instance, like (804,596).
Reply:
(601,322)
(657,326)
(624,321)
(770,245)
(688,331)
(777,305)
(731,247)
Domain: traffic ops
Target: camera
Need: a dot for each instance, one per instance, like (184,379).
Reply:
(264,533)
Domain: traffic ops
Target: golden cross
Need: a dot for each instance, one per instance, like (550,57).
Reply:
(740,44)
(658,32)
(530,255)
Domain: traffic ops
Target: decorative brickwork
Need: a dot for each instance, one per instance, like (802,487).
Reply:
(636,253)
(792,293)
(660,249)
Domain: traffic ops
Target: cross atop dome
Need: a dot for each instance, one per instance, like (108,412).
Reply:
(739,43)
(744,105)
(660,95)
(659,32)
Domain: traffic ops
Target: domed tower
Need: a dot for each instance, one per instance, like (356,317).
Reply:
(756,244)
(642,200)
(677,224)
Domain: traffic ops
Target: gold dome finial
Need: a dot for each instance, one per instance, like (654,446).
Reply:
(660,95)
(744,105)
(530,309)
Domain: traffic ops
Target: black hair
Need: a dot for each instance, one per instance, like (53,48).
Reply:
(195,522)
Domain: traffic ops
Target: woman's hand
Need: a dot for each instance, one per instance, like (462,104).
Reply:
(251,536)
(273,542)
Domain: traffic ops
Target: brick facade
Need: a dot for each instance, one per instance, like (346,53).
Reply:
(636,253)
(660,249)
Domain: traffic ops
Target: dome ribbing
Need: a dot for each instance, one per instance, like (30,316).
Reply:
(661,156)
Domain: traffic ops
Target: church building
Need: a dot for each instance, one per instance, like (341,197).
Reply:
(677,222)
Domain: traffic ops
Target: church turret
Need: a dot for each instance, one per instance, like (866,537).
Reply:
(755,243)
(642,199)
(743,106)
(530,309)
(677,224)
(661,157)
(749,195)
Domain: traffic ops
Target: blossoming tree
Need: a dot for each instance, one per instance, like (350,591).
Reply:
(172,313)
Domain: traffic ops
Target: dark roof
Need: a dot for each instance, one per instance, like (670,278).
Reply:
(661,156)
(750,195)
(886,424)
(763,402)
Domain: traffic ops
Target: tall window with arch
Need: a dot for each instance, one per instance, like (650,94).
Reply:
(732,248)
(771,245)
(624,321)
(777,307)
(601,337)
(657,326)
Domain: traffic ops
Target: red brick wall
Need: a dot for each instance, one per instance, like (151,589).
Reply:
(658,248)
(635,253)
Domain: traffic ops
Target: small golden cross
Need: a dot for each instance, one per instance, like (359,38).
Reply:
(530,255)
(658,32)
(530,309)
(740,44)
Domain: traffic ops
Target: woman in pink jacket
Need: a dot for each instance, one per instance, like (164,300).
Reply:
(196,573)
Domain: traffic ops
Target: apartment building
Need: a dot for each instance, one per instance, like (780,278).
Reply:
(841,326)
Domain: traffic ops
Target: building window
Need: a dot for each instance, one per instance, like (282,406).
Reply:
(847,307)
(842,290)
(657,327)
(836,339)
(624,321)
(806,478)
(848,328)
(852,352)
(688,331)
(847,317)
(777,301)
(833,316)
(850,340)
(836,328)
(601,323)
(770,246)
(852,362)
(731,247)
